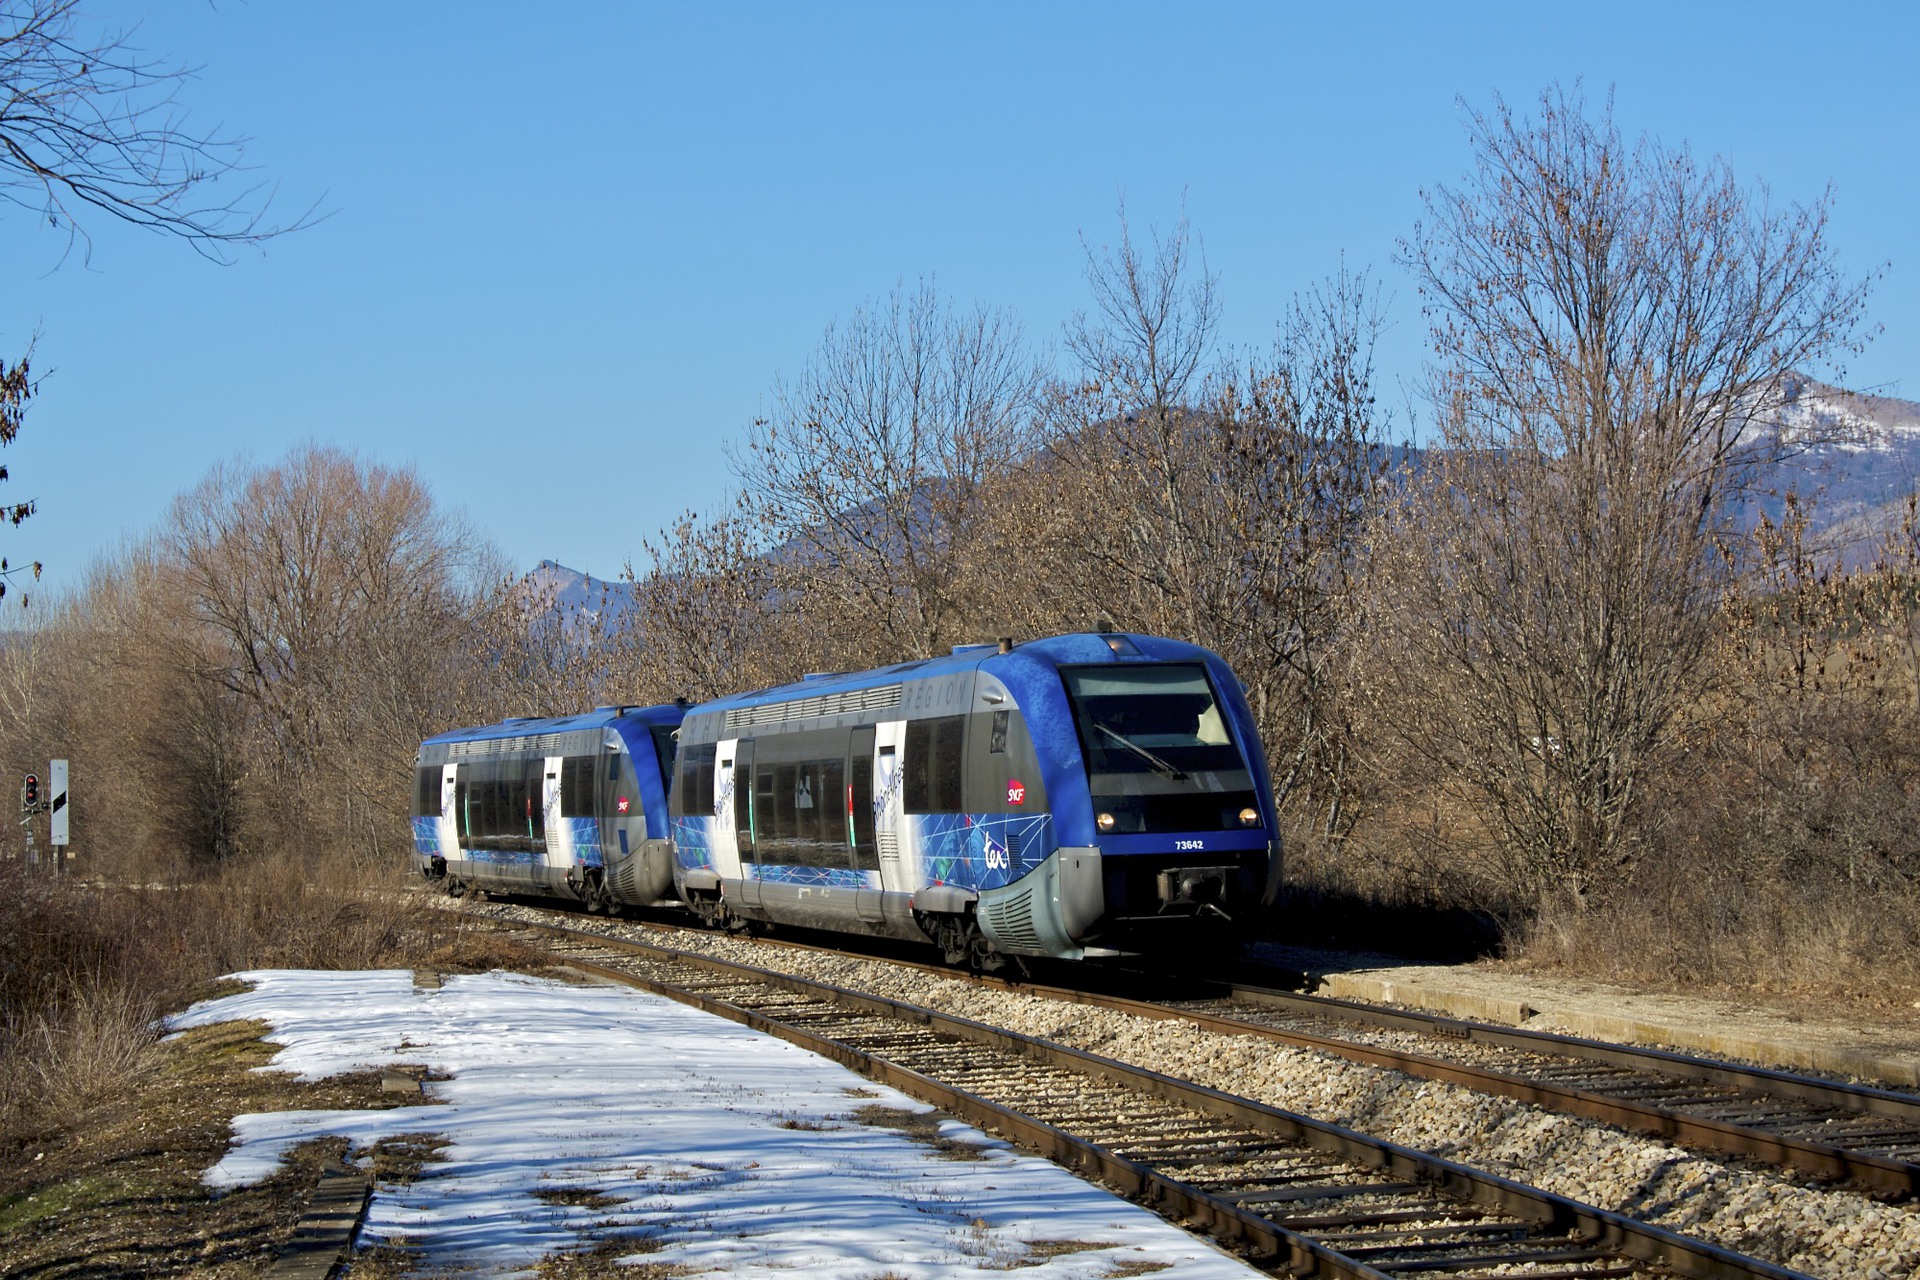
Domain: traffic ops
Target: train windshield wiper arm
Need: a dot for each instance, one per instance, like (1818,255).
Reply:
(1159,765)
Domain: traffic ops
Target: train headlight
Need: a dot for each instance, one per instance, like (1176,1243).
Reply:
(1104,821)
(1249,817)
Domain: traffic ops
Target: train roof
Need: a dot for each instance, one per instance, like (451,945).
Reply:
(599,718)
(1073,649)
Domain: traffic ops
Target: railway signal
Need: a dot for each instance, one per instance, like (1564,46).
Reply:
(30,794)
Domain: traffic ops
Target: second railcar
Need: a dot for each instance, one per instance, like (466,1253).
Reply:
(1078,796)
(572,806)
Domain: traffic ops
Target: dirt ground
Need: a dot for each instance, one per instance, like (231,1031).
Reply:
(118,1191)
(1840,1038)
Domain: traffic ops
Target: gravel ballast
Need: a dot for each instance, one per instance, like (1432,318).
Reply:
(1826,1233)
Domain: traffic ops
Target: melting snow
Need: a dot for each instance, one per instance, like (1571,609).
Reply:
(724,1150)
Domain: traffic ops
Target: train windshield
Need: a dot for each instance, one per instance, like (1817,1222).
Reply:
(1159,753)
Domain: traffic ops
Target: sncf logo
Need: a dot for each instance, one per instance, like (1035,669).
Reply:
(1016,791)
(623,804)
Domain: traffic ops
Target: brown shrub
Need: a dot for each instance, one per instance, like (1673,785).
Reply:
(85,969)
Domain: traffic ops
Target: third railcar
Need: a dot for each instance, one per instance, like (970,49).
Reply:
(1077,796)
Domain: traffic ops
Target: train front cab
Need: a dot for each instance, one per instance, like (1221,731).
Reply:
(1161,802)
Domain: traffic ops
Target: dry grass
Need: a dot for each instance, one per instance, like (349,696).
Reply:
(118,1192)
(86,969)
(105,1130)
(922,1127)
(1818,940)
(600,1260)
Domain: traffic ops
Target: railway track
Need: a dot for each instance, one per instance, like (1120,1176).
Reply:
(1865,1137)
(1291,1193)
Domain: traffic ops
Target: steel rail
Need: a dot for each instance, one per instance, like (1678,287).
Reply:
(1553,1229)
(1782,1084)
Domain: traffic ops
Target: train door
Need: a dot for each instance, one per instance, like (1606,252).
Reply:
(449,830)
(892,840)
(743,827)
(861,830)
(722,844)
(558,832)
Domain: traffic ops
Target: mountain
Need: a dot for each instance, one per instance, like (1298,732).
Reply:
(576,595)
(1855,456)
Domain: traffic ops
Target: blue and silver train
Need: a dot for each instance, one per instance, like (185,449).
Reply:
(1079,796)
(573,807)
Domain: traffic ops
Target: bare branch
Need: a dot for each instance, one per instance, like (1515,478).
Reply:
(90,125)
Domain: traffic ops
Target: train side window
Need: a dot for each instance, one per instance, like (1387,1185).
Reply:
(694,794)
(800,799)
(509,789)
(576,786)
(519,802)
(480,799)
(830,811)
(933,765)
(772,811)
(997,740)
(426,791)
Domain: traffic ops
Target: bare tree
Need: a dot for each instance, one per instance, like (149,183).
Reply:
(1297,494)
(334,591)
(528,651)
(1611,324)
(1124,428)
(870,478)
(712,618)
(1223,502)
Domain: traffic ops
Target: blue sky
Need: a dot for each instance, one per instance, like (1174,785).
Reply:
(572,246)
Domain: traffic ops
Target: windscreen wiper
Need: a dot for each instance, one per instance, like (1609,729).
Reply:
(1159,766)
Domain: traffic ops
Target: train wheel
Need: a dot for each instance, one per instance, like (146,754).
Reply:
(984,958)
(950,936)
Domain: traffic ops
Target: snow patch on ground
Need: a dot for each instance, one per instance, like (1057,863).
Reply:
(720,1148)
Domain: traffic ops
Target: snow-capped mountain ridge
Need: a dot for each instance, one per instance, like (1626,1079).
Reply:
(1815,414)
